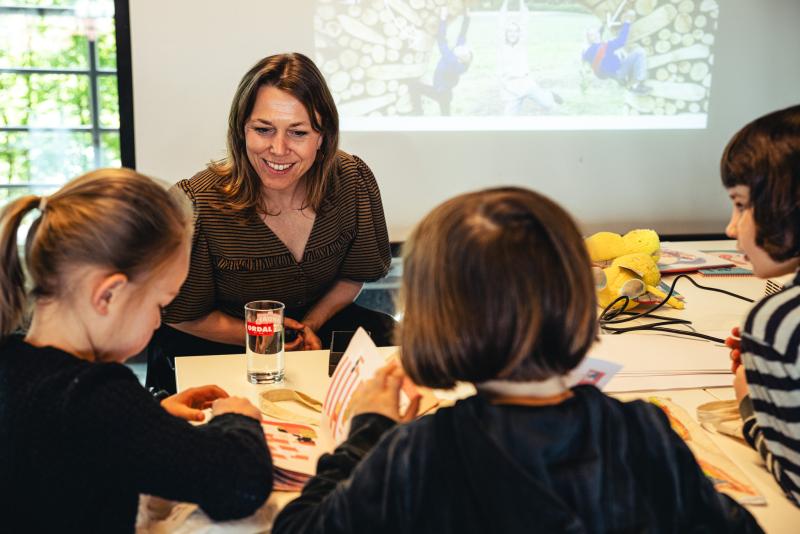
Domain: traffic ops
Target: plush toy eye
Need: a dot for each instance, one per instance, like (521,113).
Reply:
(600,279)
(632,288)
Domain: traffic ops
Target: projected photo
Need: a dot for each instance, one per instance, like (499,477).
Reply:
(517,64)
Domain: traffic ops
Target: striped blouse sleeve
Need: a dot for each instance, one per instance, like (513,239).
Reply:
(369,256)
(196,296)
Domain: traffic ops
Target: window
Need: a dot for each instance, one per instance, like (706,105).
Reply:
(60,113)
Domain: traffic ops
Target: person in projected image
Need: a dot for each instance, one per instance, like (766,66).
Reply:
(609,59)
(516,80)
(285,216)
(453,63)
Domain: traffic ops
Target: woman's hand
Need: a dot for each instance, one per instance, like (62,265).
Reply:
(310,339)
(733,342)
(291,324)
(190,403)
(238,405)
(740,384)
(381,395)
(306,337)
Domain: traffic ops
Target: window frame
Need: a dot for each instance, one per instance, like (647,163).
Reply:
(124,77)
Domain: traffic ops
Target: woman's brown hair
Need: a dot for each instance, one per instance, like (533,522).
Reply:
(497,284)
(765,156)
(114,218)
(297,75)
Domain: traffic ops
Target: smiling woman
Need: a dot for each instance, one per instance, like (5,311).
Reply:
(285,216)
(281,144)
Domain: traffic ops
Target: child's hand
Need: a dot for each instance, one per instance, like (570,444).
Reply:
(238,405)
(190,403)
(733,342)
(740,384)
(381,395)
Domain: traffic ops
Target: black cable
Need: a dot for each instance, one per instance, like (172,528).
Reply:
(660,329)
(668,322)
(608,320)
(609,315)
(718,290)
(661,317)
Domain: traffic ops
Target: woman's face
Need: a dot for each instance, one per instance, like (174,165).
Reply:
(281,144)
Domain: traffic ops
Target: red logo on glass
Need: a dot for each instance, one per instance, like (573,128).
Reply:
(260,329)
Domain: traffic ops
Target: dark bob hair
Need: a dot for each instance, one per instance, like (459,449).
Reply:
(497,284)
(765,156)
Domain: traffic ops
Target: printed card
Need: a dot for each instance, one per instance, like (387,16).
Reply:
(594,372)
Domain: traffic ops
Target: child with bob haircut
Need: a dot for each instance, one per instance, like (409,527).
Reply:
(760,169)
(498,291)
(81,439)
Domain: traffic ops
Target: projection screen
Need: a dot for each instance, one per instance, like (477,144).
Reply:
(617,109)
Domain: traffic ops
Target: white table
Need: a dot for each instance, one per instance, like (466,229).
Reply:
(711,313)
(307,371)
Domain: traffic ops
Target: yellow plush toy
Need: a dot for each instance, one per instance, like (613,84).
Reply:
(626,266)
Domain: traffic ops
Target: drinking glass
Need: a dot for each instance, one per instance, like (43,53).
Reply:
(264,325)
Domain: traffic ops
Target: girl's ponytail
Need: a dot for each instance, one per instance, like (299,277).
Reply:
(12,276)
(114,218)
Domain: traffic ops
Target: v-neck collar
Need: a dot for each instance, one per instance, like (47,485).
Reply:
(274,237)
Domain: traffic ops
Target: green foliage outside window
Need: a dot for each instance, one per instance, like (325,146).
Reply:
(46,119)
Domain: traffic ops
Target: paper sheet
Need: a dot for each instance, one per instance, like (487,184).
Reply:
(658,362)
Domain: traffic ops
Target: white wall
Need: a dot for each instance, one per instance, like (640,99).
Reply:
(188,56)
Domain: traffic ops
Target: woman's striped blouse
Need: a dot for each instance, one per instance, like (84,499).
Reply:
(236,258)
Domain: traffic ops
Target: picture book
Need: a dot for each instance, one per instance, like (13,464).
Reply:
(295,449)
(726,476)
(360,362)
(741,266)
(297,436)
(676,258)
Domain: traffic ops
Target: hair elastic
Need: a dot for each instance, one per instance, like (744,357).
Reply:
(42,204)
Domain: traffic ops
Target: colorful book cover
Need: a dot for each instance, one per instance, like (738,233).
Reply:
(726,476)
(740,267)
(677,259)
(295,447)
(360,362)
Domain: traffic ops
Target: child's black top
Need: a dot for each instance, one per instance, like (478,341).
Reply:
(79,441)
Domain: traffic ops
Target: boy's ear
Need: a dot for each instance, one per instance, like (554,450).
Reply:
(106,291)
